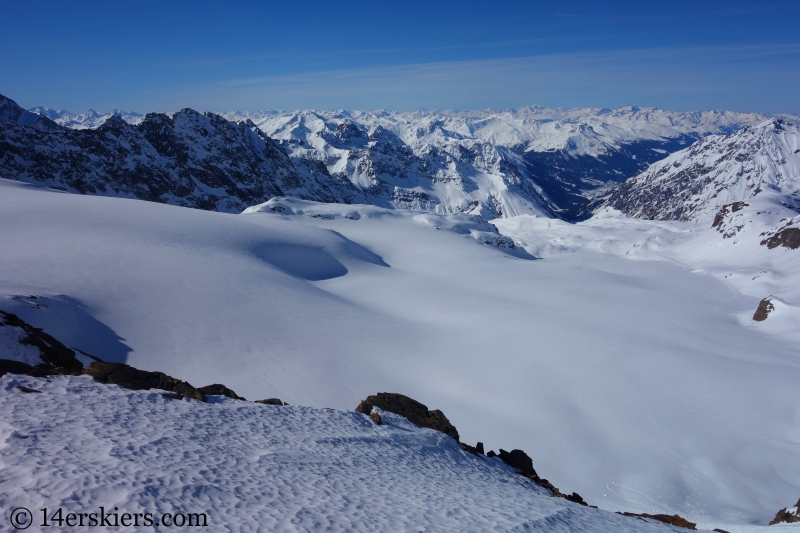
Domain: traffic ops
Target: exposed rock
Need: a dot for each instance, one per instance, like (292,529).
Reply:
(271,401)
(576,498)
(42,370)
(26,389)
(718,530)
(218,389)
(787,237)
(765,307)
(376,418)
(135,379)
(713,177)
(519,460)
(674,520)
(479,448)
(725,210)
(51,351)
(788,515)
(187,158)
(411,409)
(173,396)
(491,454)
(14,367)
(469,449)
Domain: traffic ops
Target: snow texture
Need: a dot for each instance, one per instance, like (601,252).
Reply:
(251,467)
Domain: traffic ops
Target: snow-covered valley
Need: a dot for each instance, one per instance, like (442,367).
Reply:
(622,360)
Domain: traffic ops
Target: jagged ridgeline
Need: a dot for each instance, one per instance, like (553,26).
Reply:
(492,164)
(693,185)
(187,158)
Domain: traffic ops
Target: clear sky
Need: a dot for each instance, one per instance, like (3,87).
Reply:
(165,55)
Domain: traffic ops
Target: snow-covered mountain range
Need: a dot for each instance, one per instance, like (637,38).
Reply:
(89,120)
(529,160)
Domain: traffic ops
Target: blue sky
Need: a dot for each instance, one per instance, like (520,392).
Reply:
(166,55)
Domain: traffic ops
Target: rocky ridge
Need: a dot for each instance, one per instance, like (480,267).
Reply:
(186,158)
(695,184)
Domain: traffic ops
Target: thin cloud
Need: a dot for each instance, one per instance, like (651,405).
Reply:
(754,78)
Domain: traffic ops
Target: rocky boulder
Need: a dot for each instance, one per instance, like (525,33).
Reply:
(788,515)
(519,460)
(271,401)
(135,379)
(411,409)
(765,307)
(217,389)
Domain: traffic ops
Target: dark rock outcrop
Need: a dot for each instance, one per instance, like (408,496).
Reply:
(674,520)
(135,379)
(26,389)
(217,389)
(788,515)
(411,409)
(786,237)
(60,359)
(765,307)
(271,401)
(13,367)
(519,460)
(376,418)
(724,211)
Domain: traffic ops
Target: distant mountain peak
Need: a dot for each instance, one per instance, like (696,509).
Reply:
(692,184)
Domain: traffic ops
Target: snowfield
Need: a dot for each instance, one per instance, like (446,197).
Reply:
(641,384)
(80,445)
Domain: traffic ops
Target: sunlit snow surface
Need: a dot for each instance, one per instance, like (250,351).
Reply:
(640,384)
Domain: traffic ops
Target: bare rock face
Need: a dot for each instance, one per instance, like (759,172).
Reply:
(411,409)
(519,460)
(13,367)
(217,389)
(674,520)
(786,237)
(135,379)
(788,515)
(56,358)
(765,307)
(271,401)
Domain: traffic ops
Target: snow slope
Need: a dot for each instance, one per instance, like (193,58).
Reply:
(638,384)
(249,467)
